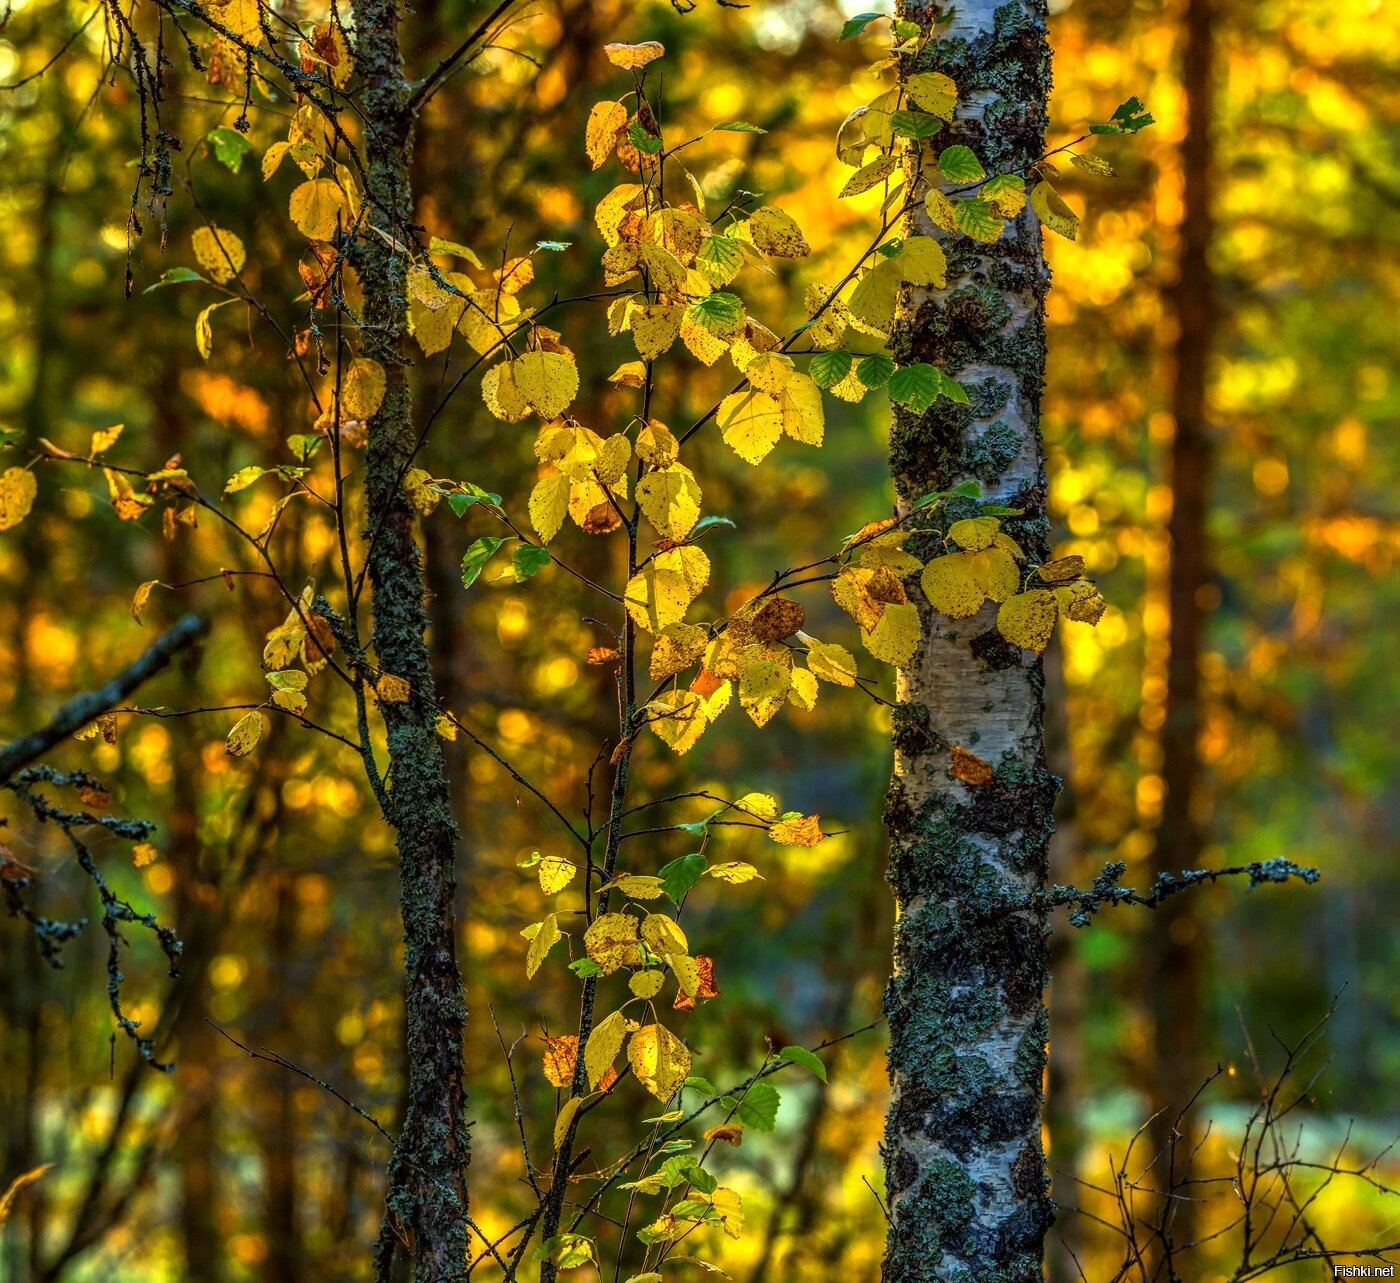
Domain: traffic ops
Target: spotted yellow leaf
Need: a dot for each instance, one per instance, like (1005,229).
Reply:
(17,491)
(611,941)
(542,939)
(659,1060)
(896,637)
(751,423)
(556,872)
(218,252)
(318,208)
(362,389)
(1028,619)
(605,1042)
(244,736)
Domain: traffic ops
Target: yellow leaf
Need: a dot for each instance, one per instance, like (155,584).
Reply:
(896,637)
(951,586)
(655,328)
(751,423)
(605,122)
(604,1043)
(317,208)
(850,591)
(1028,619)
(765,675)
(631,57)
(803,691)
(614,208)
(1081,602)
(686,971)
(873,300)
(868,176)
(734,872)
(659,1059)
(731,1134)
(670,498)
(144,853)
(218,252)
(777,234)
(416,485)
(24,1178)
(646,984)
(556,872)
(631,374)
(242,18)
(662,591)
(677,647)
(703,345)
(547,380)
(566,1119)
(832,663)
(1062,569)
(933,92)
(762,805)
(611,941)
(922,262)
(362,386)
(549,501)
(800,830)
(1051,209)
(244,736)
(639,887)
(613,458)
(678,718)
(17,490)
(996,572)
(663,936)
(974,533)
(502,395)
(445,727)
(656,443)
(800,401)
(544,939)
(141,596)
(204,332)
(392,690)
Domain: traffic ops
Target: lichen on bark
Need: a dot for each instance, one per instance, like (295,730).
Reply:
(966,1183)
(426,1199)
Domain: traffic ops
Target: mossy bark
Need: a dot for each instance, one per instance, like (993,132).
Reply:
(427,1193)
(965,1170)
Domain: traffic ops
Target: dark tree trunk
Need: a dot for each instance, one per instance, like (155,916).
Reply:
(427,1190)
(965,1170)
(1176,942)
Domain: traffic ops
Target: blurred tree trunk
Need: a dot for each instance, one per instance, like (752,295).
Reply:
(965,1170)
(426,1198)
(1066,1088)
(1177,940)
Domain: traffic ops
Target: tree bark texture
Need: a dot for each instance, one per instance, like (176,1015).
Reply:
(965,1169)
(426,1201)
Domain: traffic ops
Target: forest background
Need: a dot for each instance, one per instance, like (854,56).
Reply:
(281,878)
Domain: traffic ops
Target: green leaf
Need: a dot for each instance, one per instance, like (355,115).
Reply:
(229,147)
(528,560)
(1128,118)
(915,124)
(679,876)
(703,1085)
(708,523)
(719,259)
(968,489)
(1001,510)
(829,368)
(304,444)
(480,552)
(175,276)
(801,1056)
(960,165)
(643,141)
(585,968)
(554,247)
(854,26)
(759,1108)
(720,314)
(567,1251)
(975,218)
(460,502)
(875,370)
(686,1167)
(738,127)
(916,387)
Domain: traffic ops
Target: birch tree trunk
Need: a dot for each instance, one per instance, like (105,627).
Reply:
(965,1170)
(426,1201)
